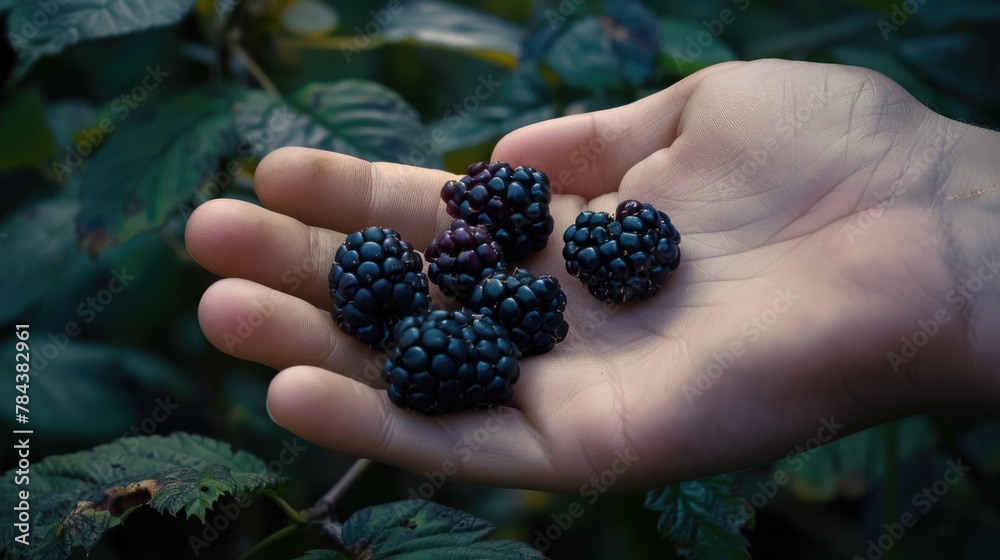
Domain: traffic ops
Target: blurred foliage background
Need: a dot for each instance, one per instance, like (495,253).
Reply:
(118,118)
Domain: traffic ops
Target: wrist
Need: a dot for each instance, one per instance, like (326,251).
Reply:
(966,205)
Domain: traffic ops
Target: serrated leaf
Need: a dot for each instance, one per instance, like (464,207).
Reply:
(418,529)
(680,52)
(85,377)
(35,31)
(702,518)
(354,117)
(75,498)
(441,25)
(155,159)
(25,138)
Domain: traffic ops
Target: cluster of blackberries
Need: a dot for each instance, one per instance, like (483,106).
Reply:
(442,360)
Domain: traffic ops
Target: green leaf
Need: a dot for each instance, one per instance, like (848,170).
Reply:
(612,51)
(25,139)
(75,498)
(6,5)
(39,249)
(153,160)
(35,31)
(522,99)
(702,518)
(847,467)
(96,391)
(310,18)
(354,117)
(418,529)
(446,26)
(322,555)
(680,52)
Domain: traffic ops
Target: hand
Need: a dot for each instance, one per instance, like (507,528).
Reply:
(805,195)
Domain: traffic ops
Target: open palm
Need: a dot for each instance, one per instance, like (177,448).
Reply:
(805,256)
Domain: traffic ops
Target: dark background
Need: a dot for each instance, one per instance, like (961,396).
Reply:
(65,230)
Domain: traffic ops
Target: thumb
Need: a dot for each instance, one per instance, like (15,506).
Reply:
(588,154)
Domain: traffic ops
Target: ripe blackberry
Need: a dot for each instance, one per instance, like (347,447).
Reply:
(450,360)
(624,257)
(376,280)
(531,309)
(462,256)
(512,203)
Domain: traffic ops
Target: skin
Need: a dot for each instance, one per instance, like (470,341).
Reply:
(828,184)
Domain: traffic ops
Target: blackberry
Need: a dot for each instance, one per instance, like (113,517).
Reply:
(376,280)
(512,203)
(462,256)
(450,360)
(530,308)
(624,257)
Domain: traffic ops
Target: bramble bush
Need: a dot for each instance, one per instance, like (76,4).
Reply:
(120,117)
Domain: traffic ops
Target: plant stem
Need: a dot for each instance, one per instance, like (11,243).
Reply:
(334,530)
(289,510)
(252,66)
(890,483)
(325,504)
(271,539)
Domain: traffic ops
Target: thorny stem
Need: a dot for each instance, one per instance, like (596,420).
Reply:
(324,505)
(289,510)
(320,509)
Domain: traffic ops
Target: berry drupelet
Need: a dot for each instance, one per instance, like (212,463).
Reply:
(624,257)
(512,203)
(530,308)
(376,280)
(450,360)
(460,257)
